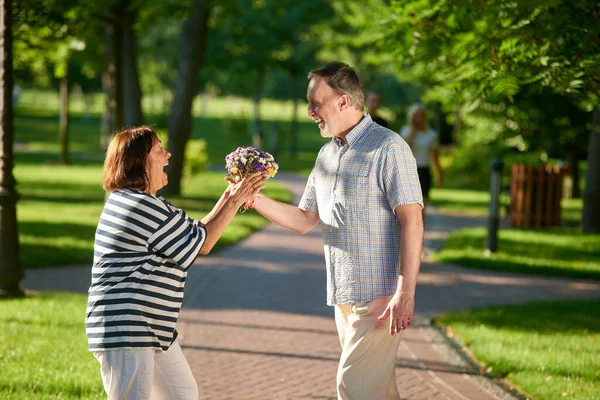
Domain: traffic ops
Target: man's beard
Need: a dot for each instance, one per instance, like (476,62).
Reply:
(326,132)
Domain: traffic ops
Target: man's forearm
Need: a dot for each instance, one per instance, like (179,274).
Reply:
(411,246)
(286,215)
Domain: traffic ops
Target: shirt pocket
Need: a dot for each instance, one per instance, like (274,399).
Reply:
(356,187)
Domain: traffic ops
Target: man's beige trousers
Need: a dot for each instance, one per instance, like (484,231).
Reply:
(367,365)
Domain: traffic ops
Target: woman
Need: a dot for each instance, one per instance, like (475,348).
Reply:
(424,143)
(143,249)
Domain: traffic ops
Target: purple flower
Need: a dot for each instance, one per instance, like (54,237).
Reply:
(246,160)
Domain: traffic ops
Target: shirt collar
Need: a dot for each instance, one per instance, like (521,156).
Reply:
(356,132)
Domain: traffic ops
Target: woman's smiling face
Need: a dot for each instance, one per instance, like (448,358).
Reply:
(157,160)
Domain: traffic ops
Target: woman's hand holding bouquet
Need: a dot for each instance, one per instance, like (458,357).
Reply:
(247,160)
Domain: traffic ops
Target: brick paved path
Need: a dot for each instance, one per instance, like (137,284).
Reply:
(255,324)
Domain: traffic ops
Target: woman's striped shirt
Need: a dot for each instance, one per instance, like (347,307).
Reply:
(142,252)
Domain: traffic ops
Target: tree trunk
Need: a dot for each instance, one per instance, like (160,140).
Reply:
(573,164)
(115,60)
(108,117)
(132,100)
(294,123)
(257,132)
(109,109)
(63,118)
(457,127)
(193,46)
(437,119)
(590,221)
(11,270)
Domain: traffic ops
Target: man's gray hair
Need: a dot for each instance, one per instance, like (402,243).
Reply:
(343,79)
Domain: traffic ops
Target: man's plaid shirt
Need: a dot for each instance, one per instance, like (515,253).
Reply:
(355,187)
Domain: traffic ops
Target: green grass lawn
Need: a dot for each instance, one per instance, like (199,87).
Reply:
(461,201)
(476,203)
(560,251)
(60,207)
(224,124)
(44,349)
(547,350)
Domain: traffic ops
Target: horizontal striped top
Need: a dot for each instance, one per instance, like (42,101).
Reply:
(355,187)
(142,252)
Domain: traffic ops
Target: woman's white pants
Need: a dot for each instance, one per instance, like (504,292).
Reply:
(147,374)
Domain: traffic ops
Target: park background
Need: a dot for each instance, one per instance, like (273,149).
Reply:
(515,80)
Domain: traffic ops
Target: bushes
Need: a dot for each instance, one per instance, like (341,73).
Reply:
(237,130)
(196,157)
(468,167)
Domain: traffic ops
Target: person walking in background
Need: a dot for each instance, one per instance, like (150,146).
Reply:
(424,143)
(364,189)
(374,101)
(143,249)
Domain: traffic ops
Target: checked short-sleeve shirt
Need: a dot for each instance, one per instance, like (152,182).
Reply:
(355,187)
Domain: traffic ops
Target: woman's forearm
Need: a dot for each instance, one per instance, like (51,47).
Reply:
(216,208)
(219,222)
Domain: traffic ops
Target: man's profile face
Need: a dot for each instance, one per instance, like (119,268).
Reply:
(322,106)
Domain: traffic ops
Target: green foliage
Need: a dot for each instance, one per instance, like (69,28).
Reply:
(499,48)
(196,157)
(36,125)
(468,167)
(255,45)
(547,350)
(56,36)
(60,205)
(237,130)
(159,48)
(59,209)
(509,75)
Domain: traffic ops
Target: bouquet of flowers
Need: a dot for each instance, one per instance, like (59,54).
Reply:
(246,160)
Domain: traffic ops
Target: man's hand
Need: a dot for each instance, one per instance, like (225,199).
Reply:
(400,309)
(247,188)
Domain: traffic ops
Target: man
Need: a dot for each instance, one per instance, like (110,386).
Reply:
(364,190)
(373,103)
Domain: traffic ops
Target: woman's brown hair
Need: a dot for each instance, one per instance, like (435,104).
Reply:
(126,159)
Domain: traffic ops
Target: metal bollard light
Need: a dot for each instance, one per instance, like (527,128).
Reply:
(494,218)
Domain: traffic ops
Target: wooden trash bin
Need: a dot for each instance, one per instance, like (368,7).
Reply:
(535,194)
